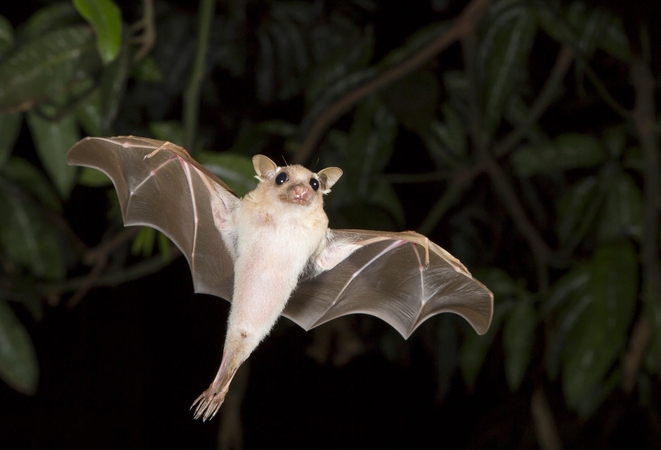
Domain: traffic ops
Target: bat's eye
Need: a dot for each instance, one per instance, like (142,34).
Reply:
(314,183)
(281,178)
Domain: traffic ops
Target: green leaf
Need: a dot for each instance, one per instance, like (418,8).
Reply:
(253,138)
(622,213)
(53,139)
(572,286)
(572,297)
(518,339)
(235,170)
(106,19)
(446,140)
(32,181)
(112,86)
(345,61)
(502,56)
(613,40)
(6,36)
(383,195)
(577,209)
(10,127)
(45,66)
(600,336)
(147,71)
(171,131)
(553,23)
(27,236)
(51,17)
(615,139)
(412,99)
(18,362)
(93,178)
(143,244)
(415,42)
(88,114)
(499,282)
(474,349)
(569,151)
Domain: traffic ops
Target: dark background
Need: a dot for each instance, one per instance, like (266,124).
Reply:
(122,368)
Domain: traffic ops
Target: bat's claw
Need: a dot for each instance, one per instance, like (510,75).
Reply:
(207,405)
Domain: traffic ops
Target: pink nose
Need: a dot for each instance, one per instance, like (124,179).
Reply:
(301,192)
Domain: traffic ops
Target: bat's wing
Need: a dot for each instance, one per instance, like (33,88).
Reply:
(161,186)
(402,278)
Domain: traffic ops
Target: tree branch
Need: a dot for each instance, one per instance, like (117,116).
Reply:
(192,94)
(465,24)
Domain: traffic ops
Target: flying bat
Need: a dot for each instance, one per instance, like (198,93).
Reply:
(271,252)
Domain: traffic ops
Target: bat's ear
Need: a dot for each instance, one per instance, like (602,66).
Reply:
(329,177)
(264,167)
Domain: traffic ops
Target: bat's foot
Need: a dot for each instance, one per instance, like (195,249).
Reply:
(207,405)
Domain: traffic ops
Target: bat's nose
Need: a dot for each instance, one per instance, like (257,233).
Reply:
(300,193)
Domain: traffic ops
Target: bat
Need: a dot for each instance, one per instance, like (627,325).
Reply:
(271,252)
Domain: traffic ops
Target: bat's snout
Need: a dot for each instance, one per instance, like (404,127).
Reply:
(299,194)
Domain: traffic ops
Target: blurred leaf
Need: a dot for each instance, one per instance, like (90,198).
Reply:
(414,43)
(459,89)
(147,71)
(330,95)
(33,181)
(235,170)
(171,131)
(252,139)
(572,286)
(43,68)
(382,194)
(595,28)
(106,19)
(499,282)
(93,178)
(569,151)
(518,339)
(599,337)
(474,349)
(265,70)
(10,127)
(53,139)
(345,61)
(446,140)
(502,55)
(615,139)
(623,210)
(18,362)
(412,99)
(112,85)
(6,36)
(88,114)
(143,244)
(552,22)
(27,235)
(577,206)
(370,143)
(50,17)
(570,299)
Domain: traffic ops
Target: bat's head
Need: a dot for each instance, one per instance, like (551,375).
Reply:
(295,184)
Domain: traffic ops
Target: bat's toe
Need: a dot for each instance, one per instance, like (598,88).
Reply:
(207,404)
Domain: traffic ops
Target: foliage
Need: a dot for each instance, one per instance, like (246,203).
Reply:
(545,204)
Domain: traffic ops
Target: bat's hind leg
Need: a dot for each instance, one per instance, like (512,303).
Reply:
(209,402)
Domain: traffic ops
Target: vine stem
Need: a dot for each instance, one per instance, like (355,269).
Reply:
(192,94)
(644,117)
